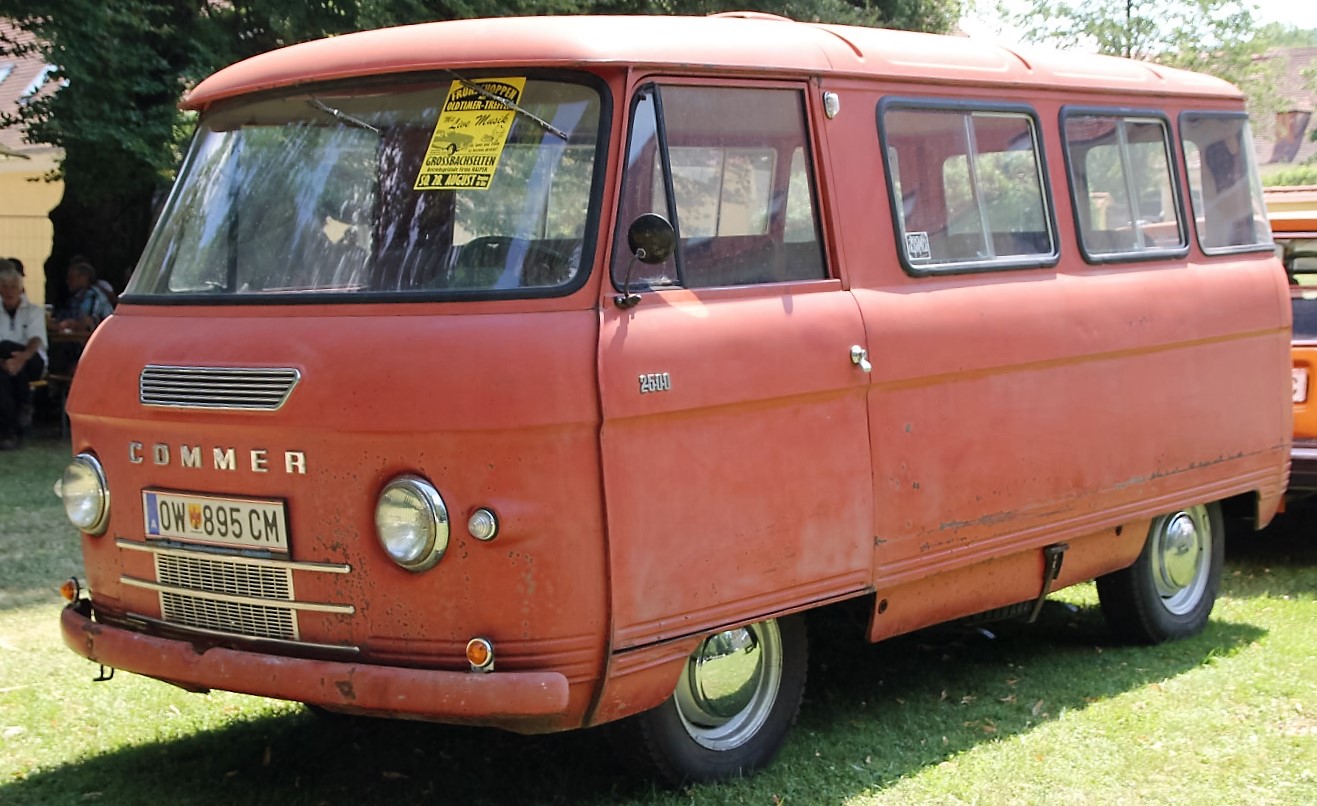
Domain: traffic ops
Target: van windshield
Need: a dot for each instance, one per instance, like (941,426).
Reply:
(476,187)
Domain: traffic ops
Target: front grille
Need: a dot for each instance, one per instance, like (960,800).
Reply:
(216,387)
(258,621)
(213,579)
(224,576)
(212,591)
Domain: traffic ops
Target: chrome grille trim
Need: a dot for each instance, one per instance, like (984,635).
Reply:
(222,553)
(255,601)
(237,388)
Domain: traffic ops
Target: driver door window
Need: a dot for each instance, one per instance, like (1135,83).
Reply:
(729,168)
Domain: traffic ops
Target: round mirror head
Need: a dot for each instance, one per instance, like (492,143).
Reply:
(651,238)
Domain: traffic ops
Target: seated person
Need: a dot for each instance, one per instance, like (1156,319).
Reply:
(22,355)
(86,308)
(87,305)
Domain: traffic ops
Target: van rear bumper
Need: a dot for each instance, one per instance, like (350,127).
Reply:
(1303,465)
(528,702)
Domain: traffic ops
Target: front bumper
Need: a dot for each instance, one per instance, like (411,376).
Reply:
(528,702)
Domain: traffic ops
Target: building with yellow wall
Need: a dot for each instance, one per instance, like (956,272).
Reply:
(26,198)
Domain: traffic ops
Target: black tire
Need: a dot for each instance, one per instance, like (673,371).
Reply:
(1169,591)
(695,736)
(336,719)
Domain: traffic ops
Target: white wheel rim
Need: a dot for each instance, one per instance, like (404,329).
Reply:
(1182,558)
(730,684)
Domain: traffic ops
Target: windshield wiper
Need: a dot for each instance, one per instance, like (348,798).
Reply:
(340,115)
(506,104)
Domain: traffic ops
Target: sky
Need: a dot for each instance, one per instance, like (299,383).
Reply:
(1299,13)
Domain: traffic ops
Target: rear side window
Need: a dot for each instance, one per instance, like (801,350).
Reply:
(1229,214)
(730,168)
(967,188)
(1125,198)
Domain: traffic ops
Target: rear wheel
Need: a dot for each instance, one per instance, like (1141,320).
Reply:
(736,699)
(1170,589)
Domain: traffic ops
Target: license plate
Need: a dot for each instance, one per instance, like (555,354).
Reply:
(1300,381)
(243,522)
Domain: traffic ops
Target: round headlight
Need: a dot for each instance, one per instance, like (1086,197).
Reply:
(411,523)
(86,496)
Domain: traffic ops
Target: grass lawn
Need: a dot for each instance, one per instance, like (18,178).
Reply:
(1050,713)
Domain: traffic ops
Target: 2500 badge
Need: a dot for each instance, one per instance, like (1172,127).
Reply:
(242,522)
(655,382)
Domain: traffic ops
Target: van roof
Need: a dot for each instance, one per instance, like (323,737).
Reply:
(737,42)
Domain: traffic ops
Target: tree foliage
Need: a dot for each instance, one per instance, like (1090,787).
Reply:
(1219,37)
(1305,174)
(1278,35)
(934,16)
(1186,32)
(124,64)
(1209,36)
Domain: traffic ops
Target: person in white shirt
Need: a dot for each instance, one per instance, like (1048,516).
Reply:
(22,355)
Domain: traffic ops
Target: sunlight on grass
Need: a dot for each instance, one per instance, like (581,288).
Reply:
(1238,727)
(66,718)
(1241,729)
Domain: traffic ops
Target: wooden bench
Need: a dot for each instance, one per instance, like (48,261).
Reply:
(57,391)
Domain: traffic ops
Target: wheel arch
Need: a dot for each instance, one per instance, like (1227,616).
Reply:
(1245,512)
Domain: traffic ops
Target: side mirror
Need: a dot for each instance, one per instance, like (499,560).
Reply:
(651,238)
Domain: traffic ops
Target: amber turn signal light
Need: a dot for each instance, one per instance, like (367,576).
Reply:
(71,589)
(480,654)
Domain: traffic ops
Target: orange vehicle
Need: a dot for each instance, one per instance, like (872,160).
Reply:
(1293,212)
(698,327)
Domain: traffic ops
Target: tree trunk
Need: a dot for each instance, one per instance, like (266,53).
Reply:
(108,230)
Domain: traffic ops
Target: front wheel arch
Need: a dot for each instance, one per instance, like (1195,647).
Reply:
(727,716)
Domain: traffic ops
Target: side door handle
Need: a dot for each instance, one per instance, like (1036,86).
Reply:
(860,358)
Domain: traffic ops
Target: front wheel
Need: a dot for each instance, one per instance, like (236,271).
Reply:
(1169,591)
(736,699)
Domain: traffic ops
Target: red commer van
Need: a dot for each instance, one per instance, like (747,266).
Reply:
(546,373)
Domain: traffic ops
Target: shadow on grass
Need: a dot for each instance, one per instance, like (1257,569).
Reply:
(879,712)
(302,758)
(873,714)
(1290,541)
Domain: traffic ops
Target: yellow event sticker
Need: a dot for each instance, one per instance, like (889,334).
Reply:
(470,135)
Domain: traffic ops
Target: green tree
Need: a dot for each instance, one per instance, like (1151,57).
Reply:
(120,69)
(1278,35)
(1305,174)
(119,66)
(933,16)
(1219,37)
(1210,36)
(1192,31)
(122,65)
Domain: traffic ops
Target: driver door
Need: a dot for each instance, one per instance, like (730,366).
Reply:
(735,438)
